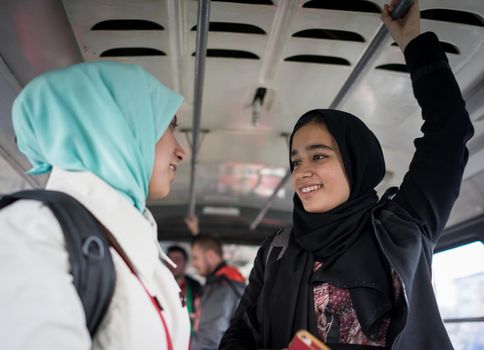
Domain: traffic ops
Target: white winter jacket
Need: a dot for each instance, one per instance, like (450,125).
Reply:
(39,306)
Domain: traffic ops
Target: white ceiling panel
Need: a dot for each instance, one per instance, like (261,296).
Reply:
(233,146)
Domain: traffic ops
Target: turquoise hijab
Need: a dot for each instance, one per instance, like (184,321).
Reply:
(102,117)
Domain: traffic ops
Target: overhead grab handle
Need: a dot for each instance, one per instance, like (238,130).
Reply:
(402,8)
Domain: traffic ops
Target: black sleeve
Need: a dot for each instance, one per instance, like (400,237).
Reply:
(239,335)
(432,183)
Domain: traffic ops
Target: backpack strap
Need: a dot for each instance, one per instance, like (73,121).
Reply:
(277,247)
(278,244)
(91,264)
(387,196)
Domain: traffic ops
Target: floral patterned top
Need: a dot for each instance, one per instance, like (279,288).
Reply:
(336,318)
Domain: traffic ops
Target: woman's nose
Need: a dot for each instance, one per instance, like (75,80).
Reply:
(179,152)
(304,172)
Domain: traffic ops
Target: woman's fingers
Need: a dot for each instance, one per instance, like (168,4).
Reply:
(386,12)
(402,30)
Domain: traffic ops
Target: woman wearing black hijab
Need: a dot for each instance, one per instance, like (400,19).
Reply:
(357,269)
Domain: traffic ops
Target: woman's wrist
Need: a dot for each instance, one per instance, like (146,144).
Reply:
(422,51)
(407,40)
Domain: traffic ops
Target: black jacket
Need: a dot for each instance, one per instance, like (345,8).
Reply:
(407,226)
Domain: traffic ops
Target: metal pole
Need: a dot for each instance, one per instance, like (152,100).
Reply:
(362,64)
(400,11)
(269,202)
(464,319)
(201,53)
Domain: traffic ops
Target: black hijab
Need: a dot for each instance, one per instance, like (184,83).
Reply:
(342,238)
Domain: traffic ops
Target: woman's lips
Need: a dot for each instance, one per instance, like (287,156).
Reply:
(308,191)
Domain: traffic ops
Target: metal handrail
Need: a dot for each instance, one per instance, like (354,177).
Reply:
(463,319)
(201,53)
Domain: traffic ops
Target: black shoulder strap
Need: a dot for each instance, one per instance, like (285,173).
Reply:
(91,263)
(277,248)
(388,195)
(278,244)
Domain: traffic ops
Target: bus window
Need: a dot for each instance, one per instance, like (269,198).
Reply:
(458,279)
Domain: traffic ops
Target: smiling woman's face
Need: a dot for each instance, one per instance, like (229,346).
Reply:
(318,175)
(168,155)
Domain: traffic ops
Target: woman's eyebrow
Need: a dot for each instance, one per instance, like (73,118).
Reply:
(316,146)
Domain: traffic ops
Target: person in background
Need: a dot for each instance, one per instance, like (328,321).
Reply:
(220,295)
(356,269)
(189,286)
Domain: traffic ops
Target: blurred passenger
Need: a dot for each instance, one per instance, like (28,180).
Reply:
(189,286)
(223,288)
(355,270)
(105,133)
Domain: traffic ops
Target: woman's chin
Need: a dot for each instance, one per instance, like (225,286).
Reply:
(313,209)
(317,208)
(159,193)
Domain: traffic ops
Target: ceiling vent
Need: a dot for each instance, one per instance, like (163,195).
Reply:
(238,54)
(453,16)
(394,67)
(228,27)
(127,24)
(132,52)
(346,5)
(329,34)
(319,59)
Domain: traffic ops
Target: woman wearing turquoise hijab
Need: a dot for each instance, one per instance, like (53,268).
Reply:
(104,132)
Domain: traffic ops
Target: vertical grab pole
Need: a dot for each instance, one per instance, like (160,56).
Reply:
(201,53)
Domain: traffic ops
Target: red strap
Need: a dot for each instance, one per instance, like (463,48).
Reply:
(159,309)
(153,299)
